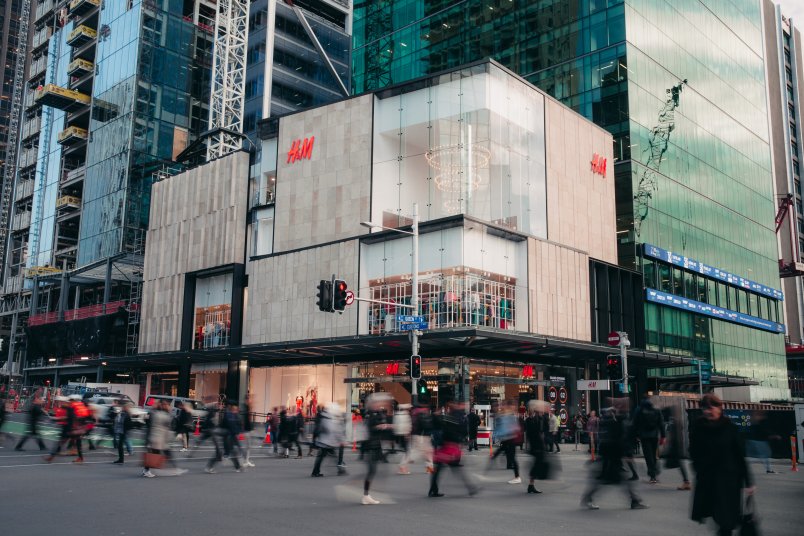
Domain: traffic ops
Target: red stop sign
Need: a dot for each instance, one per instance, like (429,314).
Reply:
(614,339)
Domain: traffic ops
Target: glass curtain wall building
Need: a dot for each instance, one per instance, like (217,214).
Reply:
(693,168)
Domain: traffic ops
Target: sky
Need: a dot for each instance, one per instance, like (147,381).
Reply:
(793,9)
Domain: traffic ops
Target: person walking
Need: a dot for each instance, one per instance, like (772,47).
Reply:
(121,424)
(675,449)
(721,471)
(72,427)
(592,430)
(473,424)
(536,428)
(158,437)
(378,406)
(506,429)
(649,428)
(760,435)
(35,414)
(553,429)
(2,420)
(248,429)
(331,435)
(452,433)
(184,425)
(613,436)
(402,428)
(230,428)
(422,429)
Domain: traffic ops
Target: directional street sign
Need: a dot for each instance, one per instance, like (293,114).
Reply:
(410,326)
(410,319)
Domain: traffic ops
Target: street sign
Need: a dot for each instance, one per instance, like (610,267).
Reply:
(413,325)
(623,388)
(593,385)
(614,339)
(350,297)
(410,319)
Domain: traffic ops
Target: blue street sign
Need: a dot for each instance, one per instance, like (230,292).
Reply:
(410,326)
(410,319)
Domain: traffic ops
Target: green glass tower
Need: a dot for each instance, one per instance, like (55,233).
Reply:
(681,86)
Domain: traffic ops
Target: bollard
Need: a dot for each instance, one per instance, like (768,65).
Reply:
(197,428)
(793,456)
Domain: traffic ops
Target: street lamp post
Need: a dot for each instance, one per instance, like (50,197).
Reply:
(414,297)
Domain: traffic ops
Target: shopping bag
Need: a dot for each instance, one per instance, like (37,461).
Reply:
(749,526)
(153,460)
(449,453)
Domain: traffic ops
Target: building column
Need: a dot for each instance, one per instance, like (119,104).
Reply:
(237,380)
(99,374)
(183,388)
(107,286)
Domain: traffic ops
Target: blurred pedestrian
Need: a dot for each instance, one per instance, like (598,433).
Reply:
(275,429)
(35,414)
(316,430)
(674,450)
(721,471)
(209,422)
(536,428)
(506,430)
(331,436)
(649,428)
(2,420)
(184,425)
(157,438)
(554,430)
(402,428)
(579,423)
(121,424)
(248,430)
(452,433)
(72,418)
(230,429)
(378,406)
(760,435)
(422,429)
(593,429)
(473,424)
(613,436)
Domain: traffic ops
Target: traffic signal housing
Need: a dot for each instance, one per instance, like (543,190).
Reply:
(324,296)
(339,292)
(416,367)
(614,367)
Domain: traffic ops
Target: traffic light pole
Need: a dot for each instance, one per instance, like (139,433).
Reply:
(414,295)
(624,344)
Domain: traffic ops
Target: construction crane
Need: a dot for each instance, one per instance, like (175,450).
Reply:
(10,169)
(227,99)
(659,141)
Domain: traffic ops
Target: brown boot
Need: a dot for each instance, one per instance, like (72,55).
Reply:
(685,486)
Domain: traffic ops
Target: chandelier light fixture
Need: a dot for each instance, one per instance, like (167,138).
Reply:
(457,165)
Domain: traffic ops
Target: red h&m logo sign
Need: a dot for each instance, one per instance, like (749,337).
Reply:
(527,371)
(301,149)
(599,164)
(392,369)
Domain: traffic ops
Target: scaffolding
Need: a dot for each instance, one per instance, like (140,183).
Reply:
(227,99)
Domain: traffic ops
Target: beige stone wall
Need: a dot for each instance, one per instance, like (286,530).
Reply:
(281,303)
(558,279)
(325,198)
(580,204)
(198,221)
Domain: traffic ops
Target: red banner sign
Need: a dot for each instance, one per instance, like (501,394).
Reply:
(527,371)
(301,149)
(392,369)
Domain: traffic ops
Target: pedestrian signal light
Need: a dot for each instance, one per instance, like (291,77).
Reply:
(339,295)
(324,296)
(422,389)
(415,367)
(614,367)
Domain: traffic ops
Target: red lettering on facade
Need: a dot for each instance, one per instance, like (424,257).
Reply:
(301,149)
(527,371)
(599,164)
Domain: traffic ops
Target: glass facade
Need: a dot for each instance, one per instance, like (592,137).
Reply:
(471,142)
(152,72)
(693,157)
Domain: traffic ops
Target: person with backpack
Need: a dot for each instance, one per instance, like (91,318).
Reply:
(71,416)
(648,426)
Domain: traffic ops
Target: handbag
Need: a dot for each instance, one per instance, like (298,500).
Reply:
(153,460)
(449,453)
(749,525)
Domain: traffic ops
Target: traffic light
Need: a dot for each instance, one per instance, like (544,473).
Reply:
(339,293)
(422,390)
(324,296)
(415,367)
(614,367)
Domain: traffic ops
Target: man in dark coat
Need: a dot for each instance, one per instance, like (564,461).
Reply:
(536,429)
(721,470)
(35,414)
(121,425)
(649,428)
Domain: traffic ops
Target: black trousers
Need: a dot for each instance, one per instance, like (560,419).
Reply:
(372,457)
(322,453)
(649,446)
(509,448)
(31,433)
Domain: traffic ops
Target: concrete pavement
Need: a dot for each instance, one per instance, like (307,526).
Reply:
(280,497)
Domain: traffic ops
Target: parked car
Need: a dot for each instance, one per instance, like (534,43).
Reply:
(175,404)
(101,404)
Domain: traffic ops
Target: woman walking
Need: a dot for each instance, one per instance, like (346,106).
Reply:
(721,470)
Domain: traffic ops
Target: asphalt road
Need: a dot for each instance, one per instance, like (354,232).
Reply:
(279,497)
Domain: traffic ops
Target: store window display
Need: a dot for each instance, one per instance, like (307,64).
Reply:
(213,311)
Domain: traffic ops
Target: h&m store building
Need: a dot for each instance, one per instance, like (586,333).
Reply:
(518,280)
